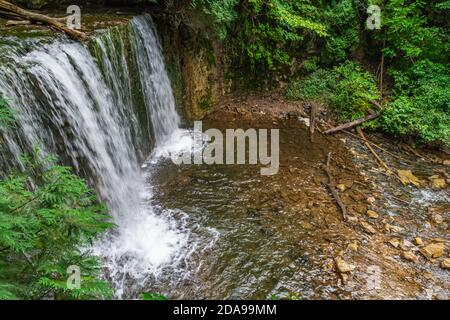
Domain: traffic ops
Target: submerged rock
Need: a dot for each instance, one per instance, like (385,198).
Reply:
(445,264)
(407,177)
(343,266)
(410,256)
(372,214)
(394,242)
(438,183)
(368,227)
(418,241)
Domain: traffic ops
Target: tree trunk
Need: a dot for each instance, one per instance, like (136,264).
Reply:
(352,123)
(13,10)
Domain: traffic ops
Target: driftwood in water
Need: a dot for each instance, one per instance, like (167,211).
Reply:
(352,124)
(11,10)
(380,161)
(366,142)
(332,187)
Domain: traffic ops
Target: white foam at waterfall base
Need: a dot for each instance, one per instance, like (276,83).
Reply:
(61,84)
(180,142)
(143,246)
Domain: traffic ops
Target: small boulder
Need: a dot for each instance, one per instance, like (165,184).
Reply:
(445,264)
(391,228)
(372,214)
(406,245)
(418,241)
(371,200)
(341,187)
(343,266)
(410,256)
(394,242)
(353,246)
(438,183)
(432,251)
(368,227)
(407,177)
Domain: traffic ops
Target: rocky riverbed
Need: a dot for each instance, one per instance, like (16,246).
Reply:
(285,236)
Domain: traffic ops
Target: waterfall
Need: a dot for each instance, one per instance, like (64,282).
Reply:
(79,104)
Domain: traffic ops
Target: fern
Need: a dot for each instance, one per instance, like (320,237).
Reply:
(43,230)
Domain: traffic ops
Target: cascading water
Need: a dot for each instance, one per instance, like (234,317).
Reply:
(82,108)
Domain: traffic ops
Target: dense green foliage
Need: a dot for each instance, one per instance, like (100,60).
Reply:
(421,103)
(48,218)
(346,88)
(262,34)
(416,44)
(294,39)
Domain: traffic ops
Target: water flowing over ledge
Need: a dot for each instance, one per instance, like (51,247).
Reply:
(101,109)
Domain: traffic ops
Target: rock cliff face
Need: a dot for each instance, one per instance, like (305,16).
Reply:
(196,65)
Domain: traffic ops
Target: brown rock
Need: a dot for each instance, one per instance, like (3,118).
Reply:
(353,246)
(432,251)
(446,162)
(341,187)
(348,183)
(343,266)
(368,227)
(372,214)
(344,278)
(438,219)
(418,241)
(371,200)
(394,242)
(406,245)
(445,264)
(410,256)
(438,183)
(428,275)
(391,228)
(407,177)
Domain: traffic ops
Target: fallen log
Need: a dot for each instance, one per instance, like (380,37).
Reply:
(352,124)
(17,22)
(332,187)
(13,10)
(9,15)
